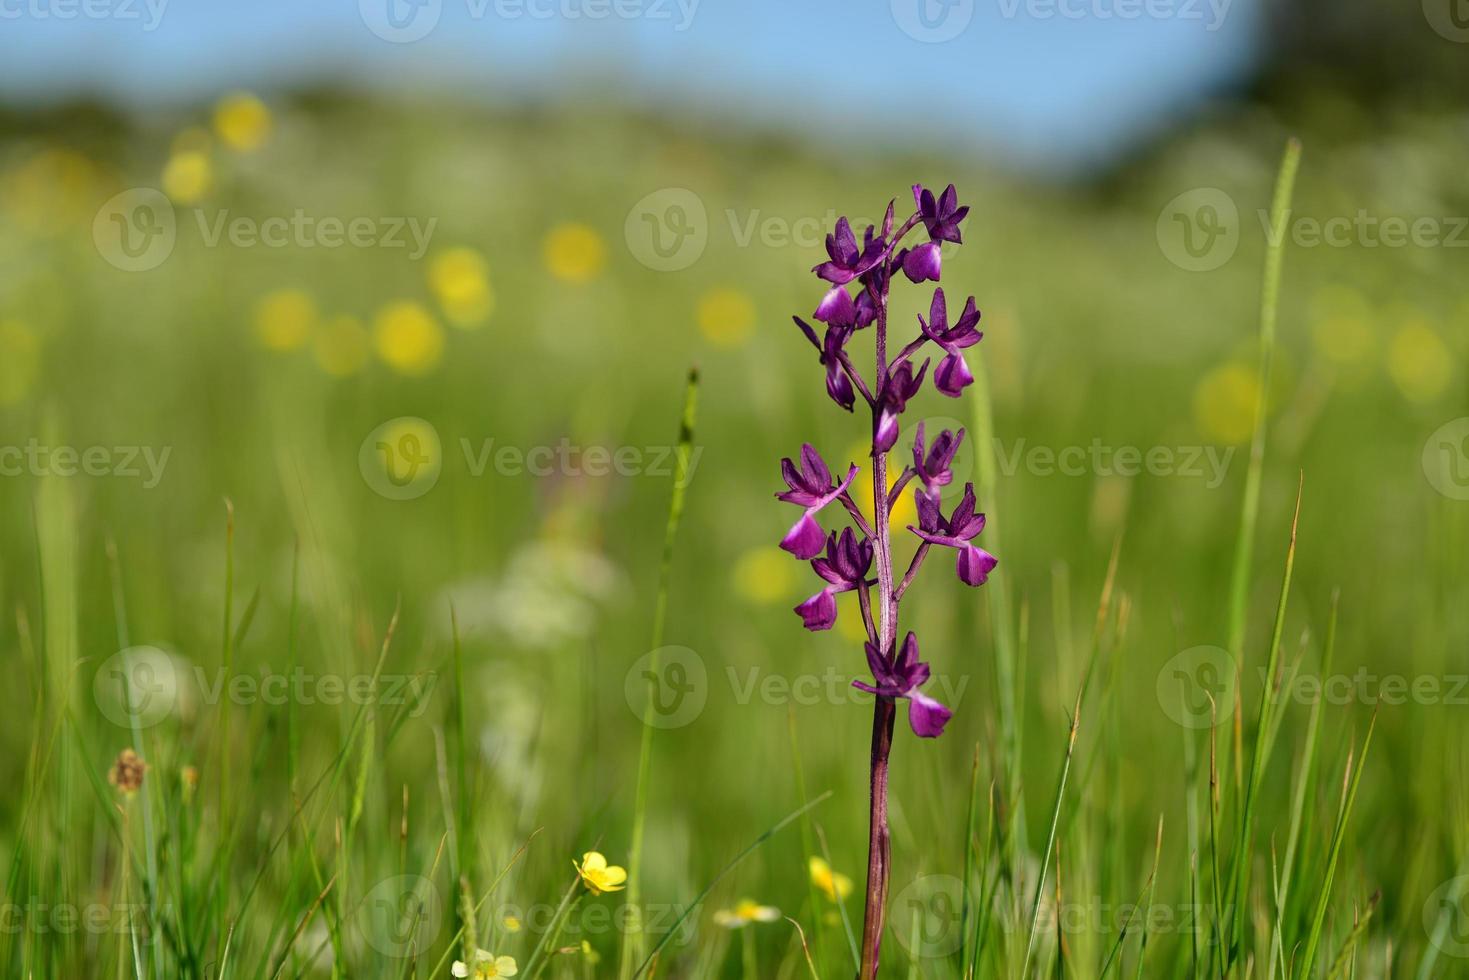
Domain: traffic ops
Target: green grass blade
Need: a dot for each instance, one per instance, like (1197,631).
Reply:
(734,863)
(632,944)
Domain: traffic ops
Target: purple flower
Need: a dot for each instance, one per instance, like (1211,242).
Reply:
(974,564)
(952,375)
(932,467)
(811,488)
(845,568)
(941,217)
(838,385)
(900,385)
(901,679)
(923,262)
(847,260)
(836,308)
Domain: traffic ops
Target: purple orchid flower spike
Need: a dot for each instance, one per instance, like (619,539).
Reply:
(811,488)
(847,261)
(838,385)
(974,563)
(952,375)
(901,385)
(901,679)
(845,566)
(874,265)
(931,465)
(942,216)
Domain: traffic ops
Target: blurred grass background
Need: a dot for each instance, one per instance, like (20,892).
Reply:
(530,320)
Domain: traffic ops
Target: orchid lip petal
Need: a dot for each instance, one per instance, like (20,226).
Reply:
(804,539)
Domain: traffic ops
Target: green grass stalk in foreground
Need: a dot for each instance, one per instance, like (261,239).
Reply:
(632,944)
(1269,306)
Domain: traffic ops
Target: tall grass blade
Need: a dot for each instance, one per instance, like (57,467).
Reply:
(632,944)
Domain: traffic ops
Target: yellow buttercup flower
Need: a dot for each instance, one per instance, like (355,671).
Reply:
(284,319)
(20,360)
(764,575)
(486,965)
(1225,403)
(341,346)
(746,911)
(460,282)
(407,338)
(574,252)
(726,317)
(242,122)
(598,875)
(188,176)
(833,884)
(1418,360)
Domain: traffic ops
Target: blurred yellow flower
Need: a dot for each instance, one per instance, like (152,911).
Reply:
(1419,361)
(511,923)
(746,911)
(850,624)
(486,966)
(574,252)
(904,511)
(1225,402)
(20,360)
(592,956)
(726,317)
(284,319)
(407,337)
(764,575)
(341,345)
(242,122)
(188,176)
(833,884)
(460,281)
(51,192)
(1341,325)
(598,875)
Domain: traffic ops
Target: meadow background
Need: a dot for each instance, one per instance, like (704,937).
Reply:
(281,455)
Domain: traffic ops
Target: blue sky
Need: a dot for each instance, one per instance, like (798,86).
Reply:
(1042,82)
